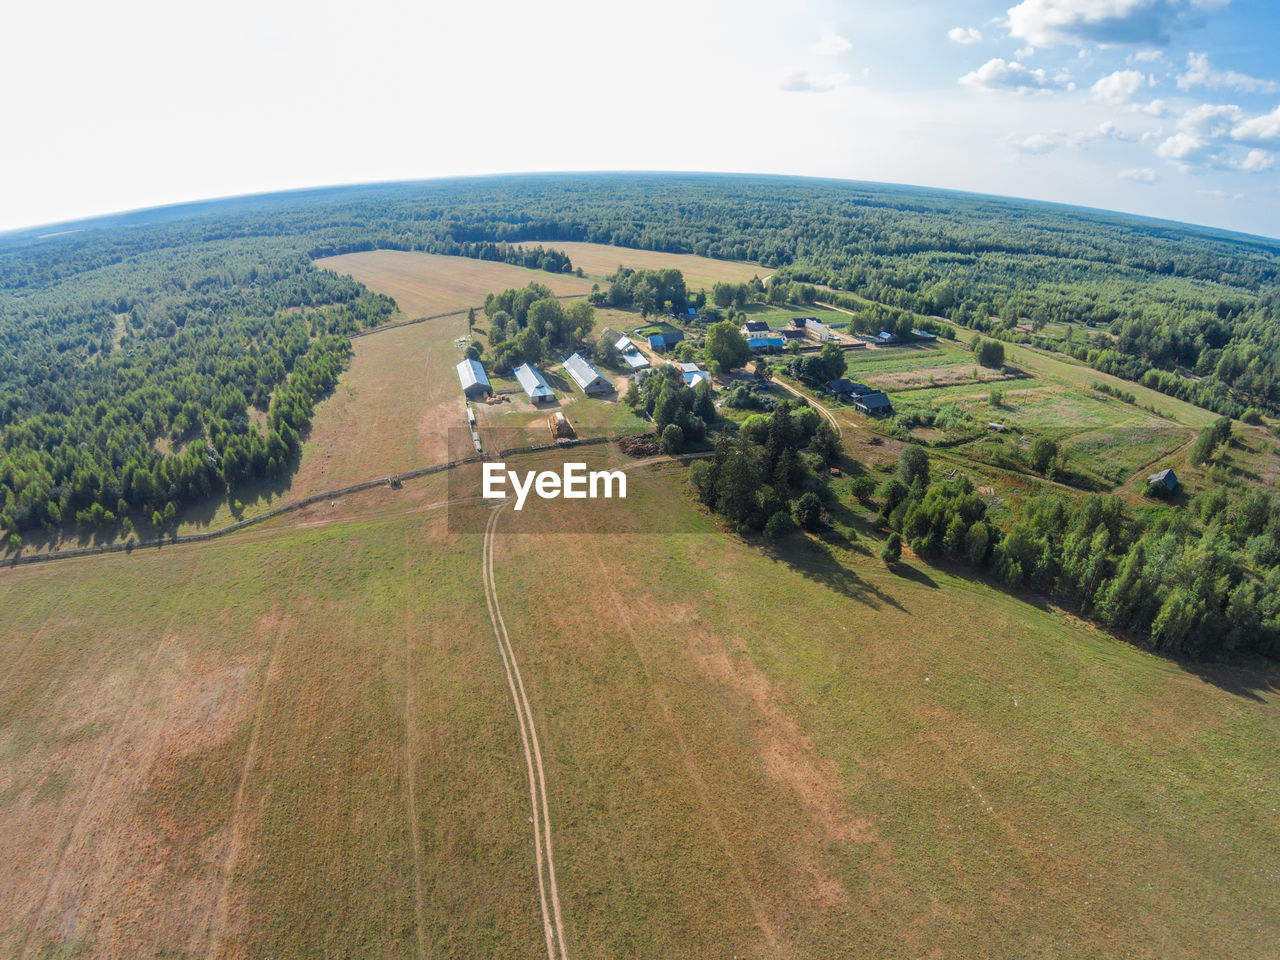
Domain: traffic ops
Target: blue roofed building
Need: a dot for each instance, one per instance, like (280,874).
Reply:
(764,344)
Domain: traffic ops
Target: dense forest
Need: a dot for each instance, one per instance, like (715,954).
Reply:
(154,357)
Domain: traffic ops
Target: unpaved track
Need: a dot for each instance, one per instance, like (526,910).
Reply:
(410,771)
(831,417)
(553,926)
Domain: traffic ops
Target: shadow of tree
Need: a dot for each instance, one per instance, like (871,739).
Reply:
(815,560)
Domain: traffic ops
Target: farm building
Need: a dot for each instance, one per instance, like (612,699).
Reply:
(534,384)
(764,344)
(660,341)
(586,376)
(624,345)
(636,360)
(844,387)
(693,374)
(610,335)
(787,334)
(472,377)
(874,403)
(1165,478)
(754,326)
(924,335)
(886,336)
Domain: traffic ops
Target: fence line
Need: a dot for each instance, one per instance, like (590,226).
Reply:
(178,539)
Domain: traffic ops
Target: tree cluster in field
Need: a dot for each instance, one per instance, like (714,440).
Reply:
(126,392)
(649,291)
(816,369)
(680,412)
(989,353)
(1197,589)
(529,324)
(771,477)
(748,396)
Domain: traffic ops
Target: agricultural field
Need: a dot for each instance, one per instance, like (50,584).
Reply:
(425,284)
(886,761)
(599,260)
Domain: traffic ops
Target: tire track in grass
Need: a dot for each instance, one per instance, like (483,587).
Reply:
(552,923)
(101,769)
(218,916)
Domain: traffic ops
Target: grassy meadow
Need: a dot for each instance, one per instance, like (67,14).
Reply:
(762,753)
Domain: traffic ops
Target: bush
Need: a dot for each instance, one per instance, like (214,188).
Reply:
(1253,415)
(672,441)
(892,550)
(807,511)
(862,487)
(779,525)
(990,353)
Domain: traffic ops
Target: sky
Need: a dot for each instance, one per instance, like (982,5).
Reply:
(1167,108)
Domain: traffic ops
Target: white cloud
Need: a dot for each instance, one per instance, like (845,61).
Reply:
(832,44)
(1255,161)
(1139,175)
(996,74)
(802,81)
(1180,146)
(964,35)
(1119,87)
(1048,23)
(1148,56)
(1039,143)
(1265,127)
(1156,108)
(1201,73)
(1220,194)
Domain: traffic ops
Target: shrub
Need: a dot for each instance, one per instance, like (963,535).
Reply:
(892,550)
(779,525)
(807,511)
(672,439)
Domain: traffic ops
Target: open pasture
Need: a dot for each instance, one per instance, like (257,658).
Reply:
(329,766)
(599,260)
(425,284)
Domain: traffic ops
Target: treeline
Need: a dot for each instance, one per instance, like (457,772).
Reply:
(129,391)
(1184,588)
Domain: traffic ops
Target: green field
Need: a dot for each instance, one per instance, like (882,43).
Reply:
(884,761)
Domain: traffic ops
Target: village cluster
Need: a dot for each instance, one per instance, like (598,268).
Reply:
(638,354)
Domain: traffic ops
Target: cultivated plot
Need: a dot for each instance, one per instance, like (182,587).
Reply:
(425,284)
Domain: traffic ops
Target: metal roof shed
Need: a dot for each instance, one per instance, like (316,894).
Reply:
(586,376)
(533,383)
(473,379)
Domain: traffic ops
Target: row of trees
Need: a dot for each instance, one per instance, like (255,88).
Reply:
(1183,588)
